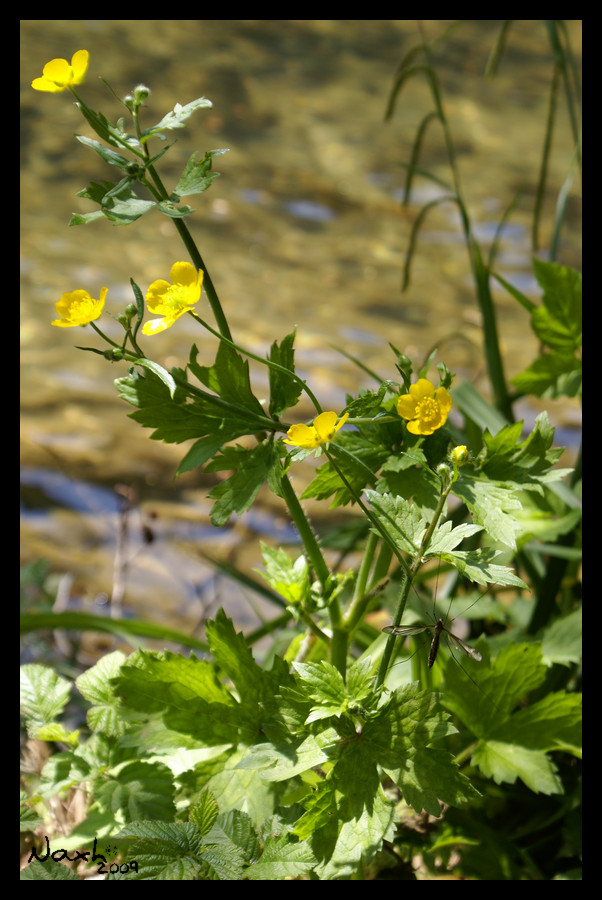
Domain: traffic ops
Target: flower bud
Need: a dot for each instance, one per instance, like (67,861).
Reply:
(113,355)
(459,455)
(444,472)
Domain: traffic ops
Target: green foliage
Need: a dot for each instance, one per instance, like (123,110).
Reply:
(173,740)
(312,763)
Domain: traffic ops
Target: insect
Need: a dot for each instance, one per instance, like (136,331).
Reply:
(437,628)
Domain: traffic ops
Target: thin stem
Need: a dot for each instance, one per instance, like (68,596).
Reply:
(305,531)
(197,261)
(265,362)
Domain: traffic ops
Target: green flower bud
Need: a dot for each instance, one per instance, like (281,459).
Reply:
(444,472)
(113,355)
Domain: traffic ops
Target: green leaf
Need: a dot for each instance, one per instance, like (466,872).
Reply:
(251,468)
(165,851)
(445,538)
(204,812)
(139,790)
(228,377)
(284,390)
(44,695)
(281,859)
(289,579)
(476,565)
(357,458)
(505,763)
(161,373)
(106,714)
(170,209)
(400,518)
(110,133)
(197,176)
(177,117)
(174,418)
(561,642)
(551,375)
(557,323)
(109,156)
(424,774)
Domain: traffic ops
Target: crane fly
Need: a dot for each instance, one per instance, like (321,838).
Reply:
(437,628)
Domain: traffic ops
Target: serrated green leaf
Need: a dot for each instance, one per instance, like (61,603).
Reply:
(551,374)
(561,642)
(476,565)
(289,579)
(282,858)
(284,390)
(445,538)
(506,762)
(124,212)
(358,459)
(43,695)
(197,176)
(252,467)
(228,377)
(204,812)
(400,518)
(491,504)
(38,871)
(139,790)
(236,828)
(165,851)
(557,322)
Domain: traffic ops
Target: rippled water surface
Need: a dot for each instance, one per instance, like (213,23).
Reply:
(303,228)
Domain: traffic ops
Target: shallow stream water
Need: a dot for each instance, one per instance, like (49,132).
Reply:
(303,228)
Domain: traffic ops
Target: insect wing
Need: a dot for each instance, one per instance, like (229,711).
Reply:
(464,648)
(406,629)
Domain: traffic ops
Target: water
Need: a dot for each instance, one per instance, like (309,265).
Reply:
(304,227)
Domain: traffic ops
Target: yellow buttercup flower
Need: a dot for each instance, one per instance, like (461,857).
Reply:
(324,428)
(173,300)
(425,407)
(58,74)
(79,308)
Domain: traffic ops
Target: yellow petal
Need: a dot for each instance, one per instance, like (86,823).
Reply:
(79,64)
(422,388)
(406,406)
(185,273)
(302,436)
(154,326)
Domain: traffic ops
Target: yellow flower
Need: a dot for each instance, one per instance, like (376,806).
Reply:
(425,407)
(79,308)
(310,436)
(58,74)
(172,300)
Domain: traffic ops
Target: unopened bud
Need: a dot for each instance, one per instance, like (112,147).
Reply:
(459,455)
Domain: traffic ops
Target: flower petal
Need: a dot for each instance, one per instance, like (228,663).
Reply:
(304,436)
(185,273)
(422,388)
(155,295)
(79,65)
(324,425)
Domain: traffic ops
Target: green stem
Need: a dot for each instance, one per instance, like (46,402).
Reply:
(305,531)
(408,579)
(265,362)
(195,256)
